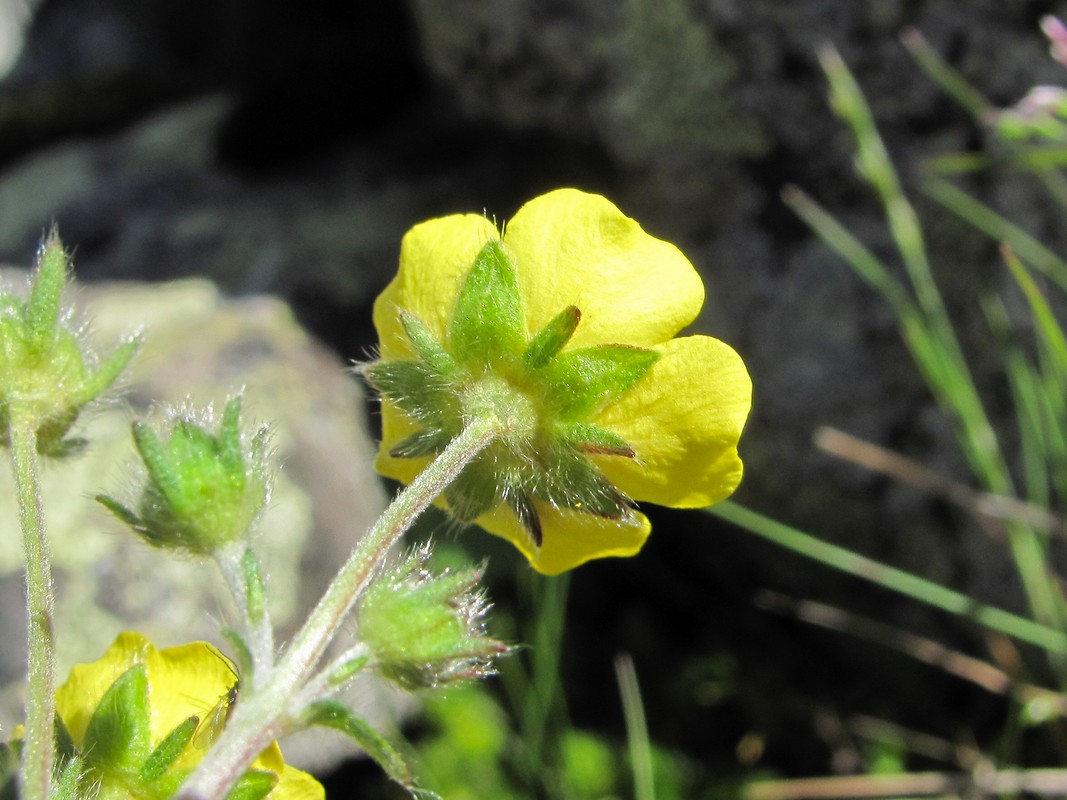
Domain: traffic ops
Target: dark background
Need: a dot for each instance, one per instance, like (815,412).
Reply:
(285,147)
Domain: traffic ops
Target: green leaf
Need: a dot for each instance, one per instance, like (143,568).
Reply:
(488,321)
(416,389)
(118,733)
(581,382)
(336,715)
(551,339)
(427,348)
(168,750)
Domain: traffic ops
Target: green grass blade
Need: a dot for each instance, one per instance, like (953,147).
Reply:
(865,263)
(636,728)
(1024,382)
(938,70)
(1050,639)
(1048,328)
(999,229)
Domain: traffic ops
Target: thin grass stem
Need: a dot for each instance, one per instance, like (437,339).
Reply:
(897,580)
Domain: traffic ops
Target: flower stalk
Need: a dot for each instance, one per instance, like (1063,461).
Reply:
(39,743)
(268,711)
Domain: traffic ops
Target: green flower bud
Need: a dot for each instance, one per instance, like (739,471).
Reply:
(425,629)
(203,490)
(46,373)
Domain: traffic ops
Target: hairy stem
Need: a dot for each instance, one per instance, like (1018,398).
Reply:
(265,714)
(38,751)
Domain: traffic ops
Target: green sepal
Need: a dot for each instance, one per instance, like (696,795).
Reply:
(118,734)
(552,338)
(204,462)
(488,321)
(581,382)
(427,348)
(522,506)
(108,371)
(229,439)
(335,714)
(253,785)
(477,490)
(46,292)
(424,442)
(572,481)
(121,512)
(168,750)
(69,779)
(65,747)
(417,389)
(164,479)
(594,440)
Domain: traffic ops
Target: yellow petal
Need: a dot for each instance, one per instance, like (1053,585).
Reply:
(435,257)
(295,784)
(189,679)
(182,681)
(78,697)
(683,419)
(570,537)
(574,248)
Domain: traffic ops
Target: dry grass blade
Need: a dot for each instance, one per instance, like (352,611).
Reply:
(984,506)
(914,784)
(968,668)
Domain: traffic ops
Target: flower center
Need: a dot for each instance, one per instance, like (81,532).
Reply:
(502,399)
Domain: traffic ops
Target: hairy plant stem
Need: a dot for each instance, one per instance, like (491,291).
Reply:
(38,751)
(267,712)
(256,630)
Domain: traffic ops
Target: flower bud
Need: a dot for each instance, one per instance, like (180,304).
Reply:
(46,373)
(204,490)
(425,629)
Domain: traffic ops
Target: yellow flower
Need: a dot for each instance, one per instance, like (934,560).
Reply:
(588,277)
(182,682)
